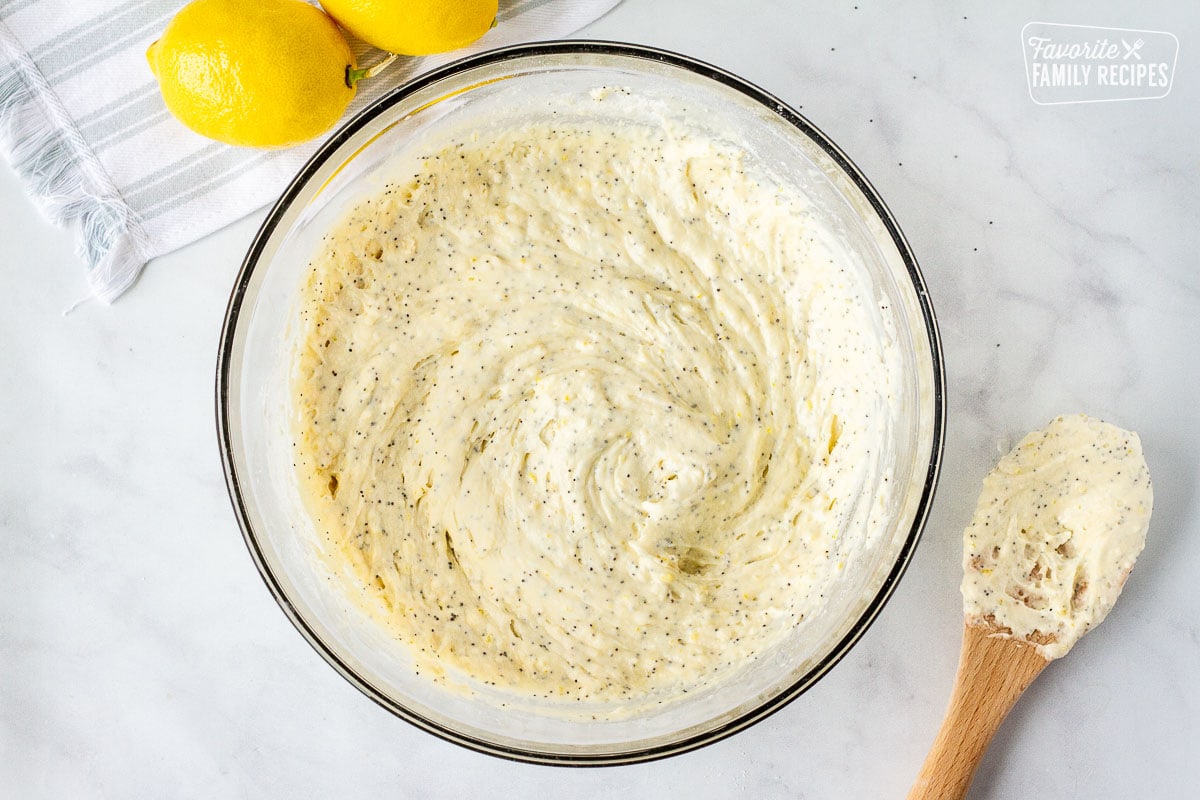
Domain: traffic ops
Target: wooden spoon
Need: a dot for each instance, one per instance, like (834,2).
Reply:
(993,672)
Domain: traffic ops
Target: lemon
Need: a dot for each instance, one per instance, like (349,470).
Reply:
(260,73)
(414,27)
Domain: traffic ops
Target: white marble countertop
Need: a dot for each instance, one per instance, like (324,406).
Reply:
(141,656)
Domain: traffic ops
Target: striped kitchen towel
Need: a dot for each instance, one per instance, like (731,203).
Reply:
(83,125)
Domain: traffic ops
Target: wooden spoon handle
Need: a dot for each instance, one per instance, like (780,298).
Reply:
(993,672)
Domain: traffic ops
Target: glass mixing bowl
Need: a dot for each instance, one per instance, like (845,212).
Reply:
(254,368)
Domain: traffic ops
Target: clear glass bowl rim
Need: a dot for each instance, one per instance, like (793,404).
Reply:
(238,296)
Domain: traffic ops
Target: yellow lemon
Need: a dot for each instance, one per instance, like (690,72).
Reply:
(257,73)
(414,27)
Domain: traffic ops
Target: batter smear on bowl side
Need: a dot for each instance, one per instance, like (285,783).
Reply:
(592,411)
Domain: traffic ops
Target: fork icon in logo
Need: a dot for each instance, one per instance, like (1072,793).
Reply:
(1132,49)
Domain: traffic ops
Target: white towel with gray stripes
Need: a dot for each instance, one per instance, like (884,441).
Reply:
(83,125)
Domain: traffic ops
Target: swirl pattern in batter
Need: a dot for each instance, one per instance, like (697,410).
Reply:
(592,411)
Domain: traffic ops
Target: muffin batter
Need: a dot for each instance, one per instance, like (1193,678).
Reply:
(592,411)
(1059,524)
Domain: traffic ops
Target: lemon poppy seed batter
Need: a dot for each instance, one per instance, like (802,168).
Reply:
(592,411)
(1059,524)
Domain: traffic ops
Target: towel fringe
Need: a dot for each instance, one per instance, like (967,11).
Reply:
(64,177)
